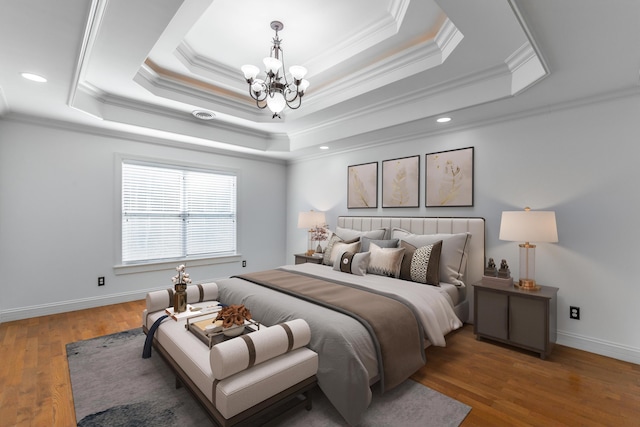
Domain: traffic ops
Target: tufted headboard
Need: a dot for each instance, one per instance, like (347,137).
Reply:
(433,225)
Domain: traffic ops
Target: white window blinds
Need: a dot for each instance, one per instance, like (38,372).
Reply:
(171,212)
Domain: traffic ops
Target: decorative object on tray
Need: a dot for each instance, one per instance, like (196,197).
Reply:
(449,178)
(493,276)
(180,280)
(491,269)
(233,318)
(504,272)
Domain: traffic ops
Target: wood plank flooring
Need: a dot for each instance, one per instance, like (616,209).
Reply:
(504,386)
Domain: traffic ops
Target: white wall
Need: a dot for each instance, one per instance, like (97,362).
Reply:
(580,162)
(58,221)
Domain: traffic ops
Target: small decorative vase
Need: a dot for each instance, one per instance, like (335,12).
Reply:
(319,248)
(180,298)
(233,331)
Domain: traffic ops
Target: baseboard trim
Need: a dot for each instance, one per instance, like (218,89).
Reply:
(73,305)
(601,347)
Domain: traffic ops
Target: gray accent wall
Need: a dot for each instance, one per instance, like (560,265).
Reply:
(581,162)
(59,216)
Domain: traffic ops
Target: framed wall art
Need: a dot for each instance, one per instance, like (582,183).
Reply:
(362,186)
(449,178)
(401,182)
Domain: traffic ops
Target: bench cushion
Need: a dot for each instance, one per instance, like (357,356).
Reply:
(159,300)
(247,388)
(235,355)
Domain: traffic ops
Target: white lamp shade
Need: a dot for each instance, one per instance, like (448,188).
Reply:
(311,219)
(304,84)
(529,226)
(276,102)
(298,72)
(272,64)
(250,71)
(258,86)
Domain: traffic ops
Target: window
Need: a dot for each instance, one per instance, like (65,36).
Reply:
(173,212)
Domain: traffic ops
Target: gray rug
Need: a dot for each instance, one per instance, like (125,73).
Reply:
(113,386)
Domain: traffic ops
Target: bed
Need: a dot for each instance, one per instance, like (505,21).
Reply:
(355,301)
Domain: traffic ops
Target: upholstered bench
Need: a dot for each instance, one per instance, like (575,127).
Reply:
(240,379)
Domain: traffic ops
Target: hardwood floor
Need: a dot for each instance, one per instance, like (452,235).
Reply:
(511,387)
(504,386)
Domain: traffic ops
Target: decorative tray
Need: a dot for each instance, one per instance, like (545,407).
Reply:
(210,333)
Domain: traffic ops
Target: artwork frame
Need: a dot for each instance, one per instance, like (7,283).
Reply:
(449,178)
(362,186)
(401,182)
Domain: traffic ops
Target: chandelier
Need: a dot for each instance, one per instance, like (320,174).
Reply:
(276,91)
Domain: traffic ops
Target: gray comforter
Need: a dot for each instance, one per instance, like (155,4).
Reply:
(347,356)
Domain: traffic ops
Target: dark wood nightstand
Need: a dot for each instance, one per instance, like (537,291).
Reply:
(302,258)
(526,319)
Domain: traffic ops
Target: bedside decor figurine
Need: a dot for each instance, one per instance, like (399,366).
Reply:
(504,271)
(493,276)
(491,270)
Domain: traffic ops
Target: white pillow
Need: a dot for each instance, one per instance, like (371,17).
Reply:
(453,257)
(352,263)
(339,248)
(385,261)
(232,356)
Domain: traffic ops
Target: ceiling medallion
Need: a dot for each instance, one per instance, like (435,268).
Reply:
(276,91)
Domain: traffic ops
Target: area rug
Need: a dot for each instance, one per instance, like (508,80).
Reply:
(113,386)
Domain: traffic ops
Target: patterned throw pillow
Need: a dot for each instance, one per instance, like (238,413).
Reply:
(385,261)
(425,268)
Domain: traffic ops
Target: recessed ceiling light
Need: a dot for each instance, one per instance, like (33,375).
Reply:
(443,119)
(203,114)
(324,147)
(34,77)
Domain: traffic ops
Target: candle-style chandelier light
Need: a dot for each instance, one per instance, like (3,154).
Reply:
(276,91)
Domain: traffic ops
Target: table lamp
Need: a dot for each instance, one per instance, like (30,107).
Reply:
(311,220)
(528,226)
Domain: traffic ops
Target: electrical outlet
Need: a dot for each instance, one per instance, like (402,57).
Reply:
(100,281)
(574,312)
(244,263)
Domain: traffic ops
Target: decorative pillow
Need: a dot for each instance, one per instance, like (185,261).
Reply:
(422,264)
(326,258)
(353,263)
(385,261)
(339,248)
(453,256)
(350,234)
(232,356)
(365,241)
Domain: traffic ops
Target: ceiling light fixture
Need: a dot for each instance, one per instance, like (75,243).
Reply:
(34,77)
(276,92)
(443,119)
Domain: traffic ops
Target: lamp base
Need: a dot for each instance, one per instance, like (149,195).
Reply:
(527,285)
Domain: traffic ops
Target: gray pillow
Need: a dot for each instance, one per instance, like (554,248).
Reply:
(350,234)
(364,243)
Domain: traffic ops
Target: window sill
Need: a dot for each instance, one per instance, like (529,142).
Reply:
(170,265)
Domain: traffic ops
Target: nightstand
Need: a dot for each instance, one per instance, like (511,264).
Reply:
(302,258)
(525,319)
